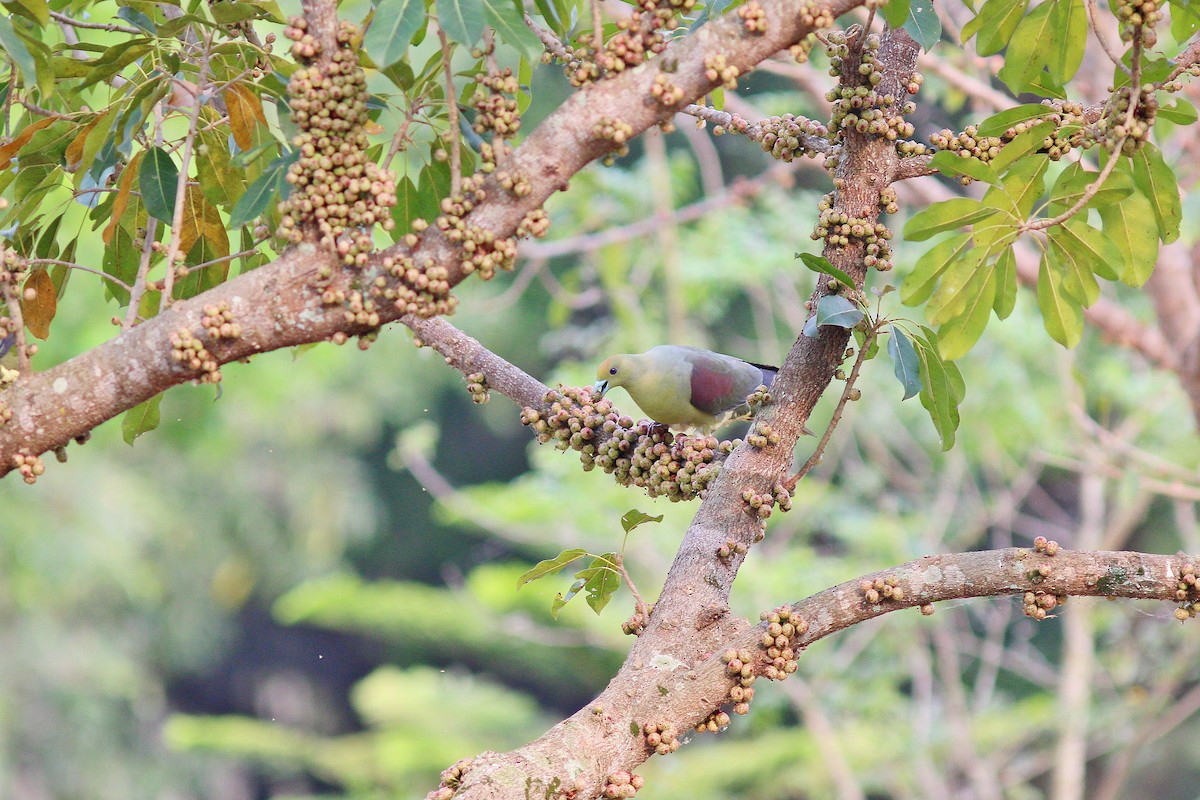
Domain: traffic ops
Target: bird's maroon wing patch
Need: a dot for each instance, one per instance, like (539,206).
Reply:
(712,392)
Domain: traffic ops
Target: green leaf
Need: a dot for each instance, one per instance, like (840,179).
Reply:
(923,24)
(1157,182)
(1029,47)
(964,278)
(1006,284)
(255,199)
(509,23)
(945,216)
(393,26)
(227,13)
(1073,182)
(1181,112)
(140,419)
(958,335)
(821,264)
(1125,224)
(999,124)
(953,165)
(1078,281)
(895,12)
(917,287)
(1096,250)
(995,23)
(462,20)
(17,51)
(833,309)
(601,581)
(550,566)
(905,363)
(941,388)
(1028,142)
(158,178)
(1069,19)
(1024,183)
(632,518)
(1062,316)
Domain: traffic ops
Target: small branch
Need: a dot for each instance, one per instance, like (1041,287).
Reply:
(639,604)
(185,163)
(549,40)
(454,134)
(13,300)
(847,392)
(597,27)
(1094,18)
(753,131)
(72,265)
(95,26)
(139,283)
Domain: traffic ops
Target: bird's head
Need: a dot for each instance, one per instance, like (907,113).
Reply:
(615,371)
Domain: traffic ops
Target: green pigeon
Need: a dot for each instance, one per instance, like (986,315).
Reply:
(686,386)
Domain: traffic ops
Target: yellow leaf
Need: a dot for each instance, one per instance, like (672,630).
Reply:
(122,198)
(20,140)
(245,111)
(39,309)
(201,220)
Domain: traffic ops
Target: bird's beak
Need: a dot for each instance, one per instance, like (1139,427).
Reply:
(601,387)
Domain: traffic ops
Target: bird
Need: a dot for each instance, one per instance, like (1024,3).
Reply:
(686,386)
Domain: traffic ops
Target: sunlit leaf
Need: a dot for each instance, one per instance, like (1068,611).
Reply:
(954,165)
(1006,284)
(1125,224)
(945,216)
(1156,180)
(1061,316)
(919,285)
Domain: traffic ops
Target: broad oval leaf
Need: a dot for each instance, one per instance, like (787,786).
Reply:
(1158,184)
(1125,224)
(923,24)
(945,216)
(392,28)
(1061,316)
(508,20)
(38,311)
(919,285)
(1074,181)
(960,283)
(462,20)
(994,23)
(959,334)
(833,309)
(905,363)
(1006,284)
(954,165)
(158,178)
(999,124)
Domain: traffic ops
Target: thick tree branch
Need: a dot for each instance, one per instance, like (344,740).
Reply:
(596,741)
(278,305)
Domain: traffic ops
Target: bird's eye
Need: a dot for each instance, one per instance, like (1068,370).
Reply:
(612,371)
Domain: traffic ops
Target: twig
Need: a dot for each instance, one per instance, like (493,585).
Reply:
(96,26)
(454,134)
(618,563)
(185,163)
(549,40)
(1094,17)
(815,458)
(597,27)
(82,268)
(13,301)
(1094,186)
